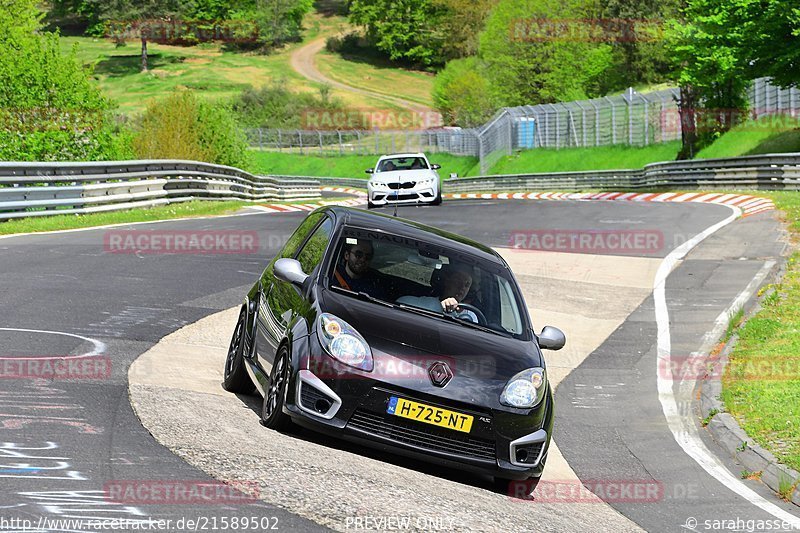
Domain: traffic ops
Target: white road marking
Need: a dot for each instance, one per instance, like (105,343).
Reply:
(99,347)
(683,430)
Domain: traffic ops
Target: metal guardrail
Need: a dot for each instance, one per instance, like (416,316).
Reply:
(42,189)
(760,172)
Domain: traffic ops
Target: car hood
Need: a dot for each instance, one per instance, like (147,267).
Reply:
(408,344)
(402,176)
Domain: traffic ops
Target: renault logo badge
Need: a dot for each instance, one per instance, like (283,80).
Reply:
(440,374)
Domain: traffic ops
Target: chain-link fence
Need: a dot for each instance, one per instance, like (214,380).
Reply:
(768,99)
(323,142)
(631,119)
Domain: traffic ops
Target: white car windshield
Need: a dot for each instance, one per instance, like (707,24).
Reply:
(402,163)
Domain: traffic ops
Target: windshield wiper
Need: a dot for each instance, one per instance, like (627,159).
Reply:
(362,296)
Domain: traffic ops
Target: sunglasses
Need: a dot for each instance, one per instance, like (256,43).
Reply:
(361,255)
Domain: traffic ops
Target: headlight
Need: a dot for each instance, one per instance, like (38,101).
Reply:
(526,389)
(343,342)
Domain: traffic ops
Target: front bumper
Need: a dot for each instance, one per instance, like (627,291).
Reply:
(402,196)
(354,407)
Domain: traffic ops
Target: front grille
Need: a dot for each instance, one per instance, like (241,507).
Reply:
(404,185)
(422,436)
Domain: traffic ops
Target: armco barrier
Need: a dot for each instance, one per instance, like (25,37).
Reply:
(41,189)
(760,172)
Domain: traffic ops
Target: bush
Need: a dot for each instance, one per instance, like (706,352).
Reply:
(183,127)
(276,107)
(350,43)
(461,93)
(49,108)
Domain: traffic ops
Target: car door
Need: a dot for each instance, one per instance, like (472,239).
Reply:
(280,300)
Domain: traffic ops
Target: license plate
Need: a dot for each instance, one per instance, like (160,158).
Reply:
(429,414)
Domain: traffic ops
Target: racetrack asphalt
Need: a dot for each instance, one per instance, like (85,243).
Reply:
(81,435)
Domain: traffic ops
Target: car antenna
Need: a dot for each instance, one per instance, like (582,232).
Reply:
(399,185)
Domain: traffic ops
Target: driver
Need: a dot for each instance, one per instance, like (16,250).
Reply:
(456,282)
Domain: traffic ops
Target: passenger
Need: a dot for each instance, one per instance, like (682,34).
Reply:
(355,273)
(456,280)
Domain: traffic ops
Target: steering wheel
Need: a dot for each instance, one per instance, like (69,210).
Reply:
(481,317)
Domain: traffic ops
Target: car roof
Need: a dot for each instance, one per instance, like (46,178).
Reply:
(409,228)
(392,156)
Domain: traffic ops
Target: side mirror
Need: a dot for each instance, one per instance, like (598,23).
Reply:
(369,171)
(436,167)
(290,270)
(552,338)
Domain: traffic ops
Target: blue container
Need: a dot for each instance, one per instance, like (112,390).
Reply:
(526,130)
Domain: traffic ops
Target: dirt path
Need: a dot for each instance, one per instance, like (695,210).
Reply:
(303,61)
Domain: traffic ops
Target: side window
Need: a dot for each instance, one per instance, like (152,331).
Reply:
(311,254)
(509,313)
(299,235)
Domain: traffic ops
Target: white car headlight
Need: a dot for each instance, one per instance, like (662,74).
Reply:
(343,342)
(525,389)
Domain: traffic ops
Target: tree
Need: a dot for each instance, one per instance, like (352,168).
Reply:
(640,55)
(49,108)
(712,72)
(461,93)
(459,25)
(140,17)
(401,28)
(538,51)
(770,32)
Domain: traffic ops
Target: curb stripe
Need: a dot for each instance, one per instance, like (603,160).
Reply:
(750,205)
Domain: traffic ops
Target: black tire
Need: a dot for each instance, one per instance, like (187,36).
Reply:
(370,205)
(516,489)
(438,200)
(235,376)
(272,415)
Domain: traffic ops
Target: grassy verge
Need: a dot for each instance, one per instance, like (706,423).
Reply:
(761,387)
(347,166)
(764,136)
(377,75)
(575,159)
(167,212)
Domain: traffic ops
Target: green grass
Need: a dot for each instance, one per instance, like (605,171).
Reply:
(346,166)
(575,159)
(377,76)
(61,222)
(761,387)
(220,74)
(764,136)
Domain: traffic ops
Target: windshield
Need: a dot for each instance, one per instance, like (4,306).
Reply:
(402,163)
(419,276)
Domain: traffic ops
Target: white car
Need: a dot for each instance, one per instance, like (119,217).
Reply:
(403,179)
